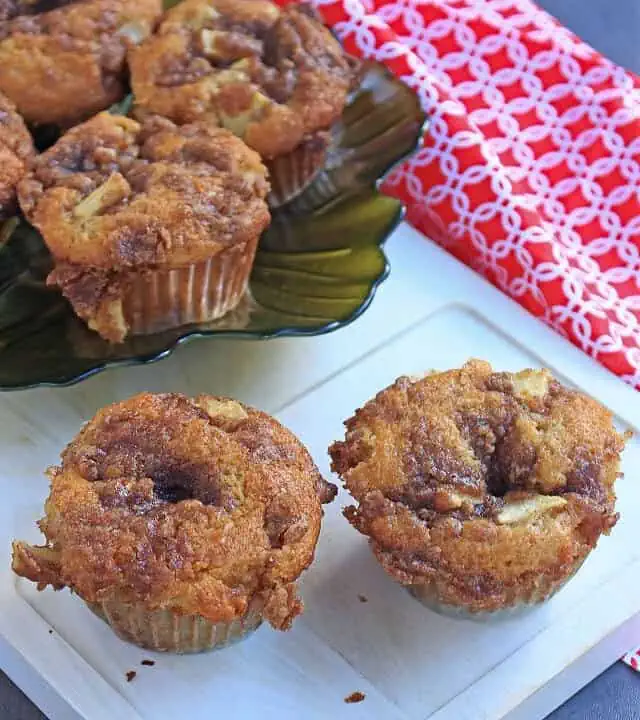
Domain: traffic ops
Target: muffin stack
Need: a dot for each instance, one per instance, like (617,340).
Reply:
(153,221)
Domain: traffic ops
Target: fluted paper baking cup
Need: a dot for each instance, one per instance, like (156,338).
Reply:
(166,631)
(161,299)
(520,602)
(291,174)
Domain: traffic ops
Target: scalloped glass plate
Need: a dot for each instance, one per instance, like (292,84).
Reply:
(317,267)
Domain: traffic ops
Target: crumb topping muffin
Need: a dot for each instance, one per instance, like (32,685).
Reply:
(16,149)
(273,76)
(114,197)
(63,61)
(484,489)
(203,507)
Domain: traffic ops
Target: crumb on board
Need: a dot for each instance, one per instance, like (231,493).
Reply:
(130,675)
(363,598)
(148,663)
(50,631)
(355,697)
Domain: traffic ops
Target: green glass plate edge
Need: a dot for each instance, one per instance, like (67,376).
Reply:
(188,333)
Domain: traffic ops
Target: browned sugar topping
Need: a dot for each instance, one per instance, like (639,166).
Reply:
(16,149)
(483,435)
(67,59)
(10,9)
(280,45)
(271,76)
(124,161)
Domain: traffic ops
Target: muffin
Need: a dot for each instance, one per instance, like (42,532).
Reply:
(275,77)
(64,61)
(182,523)
(150,225)
(482,492)
(16,149)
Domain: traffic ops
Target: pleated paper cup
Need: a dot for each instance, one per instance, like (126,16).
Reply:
(166,631)
(202,292)
(291,174)
(518,603)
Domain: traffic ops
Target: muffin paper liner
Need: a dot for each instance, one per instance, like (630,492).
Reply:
(197,293)
(291,174)
(520,603)
(166,631)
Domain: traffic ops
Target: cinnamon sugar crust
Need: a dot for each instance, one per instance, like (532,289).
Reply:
(113,193)
(114,198)
(200,506)
(63,61)
(272,76)
(484,485)
(16,149)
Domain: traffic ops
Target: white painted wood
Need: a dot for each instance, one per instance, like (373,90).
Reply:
(410,663)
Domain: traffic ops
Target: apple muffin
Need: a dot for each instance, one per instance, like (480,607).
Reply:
(481,491)
(63,61)
(16,149)
(151,225)
(182,523)
(274,77)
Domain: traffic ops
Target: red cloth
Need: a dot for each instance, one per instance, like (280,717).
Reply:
(632,659)
(530,170)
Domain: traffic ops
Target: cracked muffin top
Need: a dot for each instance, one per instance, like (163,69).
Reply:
(272,76)
(480,480)
(113,193)
(16,149)
(201,506)
(63,61)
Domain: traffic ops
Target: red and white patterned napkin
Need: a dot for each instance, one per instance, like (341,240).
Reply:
(632,659)
(530,169)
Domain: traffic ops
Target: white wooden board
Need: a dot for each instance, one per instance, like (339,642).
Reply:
(409,662)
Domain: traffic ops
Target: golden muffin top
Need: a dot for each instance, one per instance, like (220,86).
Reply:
(272,76)
(483,478)
(64,61)
(201,506)
(113,193)
(16,149)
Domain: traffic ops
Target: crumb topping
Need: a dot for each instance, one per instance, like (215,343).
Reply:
(16,149)
(270,76)
(67,59)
